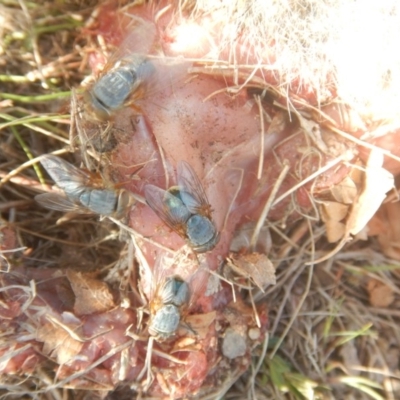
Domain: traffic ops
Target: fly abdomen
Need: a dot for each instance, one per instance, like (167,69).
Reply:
(165,322)
(201,233)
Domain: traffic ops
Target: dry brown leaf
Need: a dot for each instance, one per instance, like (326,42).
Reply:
(313,130)
(380,295)
(332,214)
(331,210)
(255,266)
(59,343)
(278,123)
(385,225)
(345,191)
(200,322)
(184,342)
(334,230)
(377,182)
(91,295)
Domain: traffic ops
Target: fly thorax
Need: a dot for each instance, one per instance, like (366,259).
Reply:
(165,322)
(182,294)
(175,291)
(176,206)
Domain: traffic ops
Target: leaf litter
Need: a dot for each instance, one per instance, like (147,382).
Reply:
(342,341)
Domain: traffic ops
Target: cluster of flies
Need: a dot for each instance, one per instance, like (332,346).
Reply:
(184,207)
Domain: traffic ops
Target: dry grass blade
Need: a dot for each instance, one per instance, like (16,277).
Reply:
(333,327)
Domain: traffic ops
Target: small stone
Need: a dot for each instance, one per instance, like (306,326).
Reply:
(254,333)
(234,344)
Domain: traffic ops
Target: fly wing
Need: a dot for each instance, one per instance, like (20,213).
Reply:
(158,199)
(192,193)
(56,202)
(139,37)
(198,283)
(83,132)
(67,177)
(157,279)
(100,201)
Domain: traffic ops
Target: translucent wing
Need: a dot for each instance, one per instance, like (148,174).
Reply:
(198,285)
(88,135)
(158,278)
(67,177)
(160,202)
(100,201)
(193,194)
(56,202)
(138,40)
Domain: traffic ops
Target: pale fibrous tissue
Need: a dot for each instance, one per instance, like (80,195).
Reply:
(184,135)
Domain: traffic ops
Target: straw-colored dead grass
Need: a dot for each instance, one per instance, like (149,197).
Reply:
(334,327)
